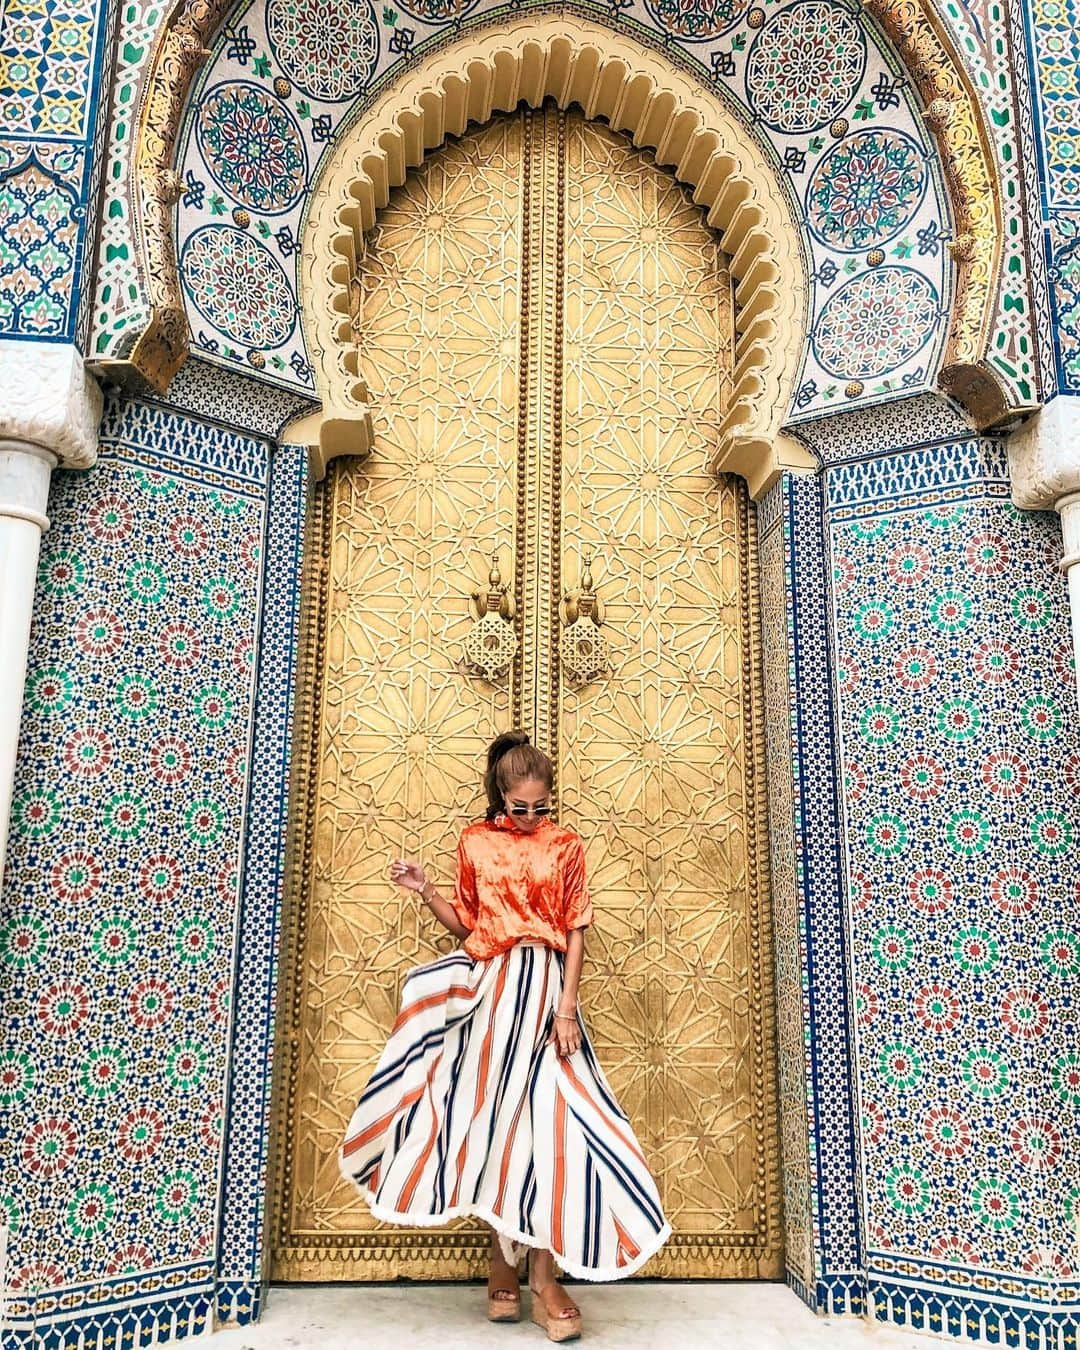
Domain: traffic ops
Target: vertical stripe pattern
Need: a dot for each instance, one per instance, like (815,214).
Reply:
(469,1111)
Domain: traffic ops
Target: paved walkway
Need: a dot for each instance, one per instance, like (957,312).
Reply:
(631,1316)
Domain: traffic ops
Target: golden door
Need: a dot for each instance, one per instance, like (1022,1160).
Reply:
(545,325)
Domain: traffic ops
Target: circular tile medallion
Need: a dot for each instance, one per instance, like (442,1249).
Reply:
(804,66)
(866,189)
(252,147)
(238,286)
(875,323)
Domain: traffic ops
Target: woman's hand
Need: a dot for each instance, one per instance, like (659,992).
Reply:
(565,1034)
(407,874)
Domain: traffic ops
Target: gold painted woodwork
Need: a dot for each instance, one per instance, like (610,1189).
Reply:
(662,766)
(545,327)
(538,545)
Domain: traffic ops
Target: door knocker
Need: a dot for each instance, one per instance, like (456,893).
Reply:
(583,649)
(491,643)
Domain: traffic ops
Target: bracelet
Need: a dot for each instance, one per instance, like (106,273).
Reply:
(567,1017)
(424,892)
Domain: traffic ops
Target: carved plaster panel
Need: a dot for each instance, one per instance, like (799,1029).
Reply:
(48,399)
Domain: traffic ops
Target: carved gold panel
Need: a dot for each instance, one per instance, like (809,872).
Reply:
(657,765)
(545,325)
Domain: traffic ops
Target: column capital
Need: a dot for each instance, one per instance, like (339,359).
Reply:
(1044,456)
(47,399)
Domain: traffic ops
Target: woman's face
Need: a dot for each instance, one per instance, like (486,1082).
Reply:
(531,793)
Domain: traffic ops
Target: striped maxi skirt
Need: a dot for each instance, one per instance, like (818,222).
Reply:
(469,1111)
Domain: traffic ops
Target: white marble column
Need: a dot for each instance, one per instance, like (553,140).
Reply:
(25,471)
(1044,466)
(49,414)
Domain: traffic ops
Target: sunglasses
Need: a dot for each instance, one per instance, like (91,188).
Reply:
(530,810)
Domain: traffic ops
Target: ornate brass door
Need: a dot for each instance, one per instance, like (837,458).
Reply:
(545,324)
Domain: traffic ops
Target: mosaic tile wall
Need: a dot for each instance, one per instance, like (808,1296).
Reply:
(245,1180)
(1063,247)
(816,1072)
(121,891)
(1053,35)
(235,399)
(961,801)
(921,420)
(827,1069)
(52,57)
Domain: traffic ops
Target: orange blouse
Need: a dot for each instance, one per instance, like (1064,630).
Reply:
(517,887)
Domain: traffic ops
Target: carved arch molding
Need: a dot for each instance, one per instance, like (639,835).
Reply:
(636,92)
(639,92)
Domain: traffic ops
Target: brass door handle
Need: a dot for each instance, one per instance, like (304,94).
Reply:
(583,650)
(492,643)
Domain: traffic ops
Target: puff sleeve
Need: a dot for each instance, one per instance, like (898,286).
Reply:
(577,905)
(465,900)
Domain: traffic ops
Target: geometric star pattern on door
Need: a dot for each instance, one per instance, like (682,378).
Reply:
(541,279)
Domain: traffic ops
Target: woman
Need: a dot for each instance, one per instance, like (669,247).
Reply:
(488,1098)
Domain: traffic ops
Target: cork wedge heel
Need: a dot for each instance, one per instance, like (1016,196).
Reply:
(560,1326)
(504,1309)
(504,1295)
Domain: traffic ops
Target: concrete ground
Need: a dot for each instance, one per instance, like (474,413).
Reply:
(631,1316)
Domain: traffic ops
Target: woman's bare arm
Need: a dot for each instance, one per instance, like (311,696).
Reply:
(412,877)
(575,955)
(444,912)
(565,1031)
